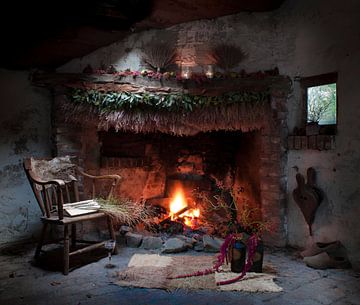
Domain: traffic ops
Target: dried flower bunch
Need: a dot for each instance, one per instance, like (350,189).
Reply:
(226,56)
(159,57)
(251,221)
(236,217)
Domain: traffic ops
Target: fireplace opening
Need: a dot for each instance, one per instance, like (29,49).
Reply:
(201,182)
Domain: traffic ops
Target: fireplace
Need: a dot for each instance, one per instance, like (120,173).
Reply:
(158,168)
(246,159)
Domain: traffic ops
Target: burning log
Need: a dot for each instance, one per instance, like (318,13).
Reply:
(175,215)
(171,227)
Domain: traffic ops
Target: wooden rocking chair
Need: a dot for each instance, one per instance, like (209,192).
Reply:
(53,196)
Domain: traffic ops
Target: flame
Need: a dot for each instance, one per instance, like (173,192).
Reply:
(178,203)
(191,213)
(196,213)
(190,217)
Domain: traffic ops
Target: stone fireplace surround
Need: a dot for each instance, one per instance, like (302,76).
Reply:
(264,153)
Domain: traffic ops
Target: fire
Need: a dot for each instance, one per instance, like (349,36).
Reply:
(190,217)
(178,203)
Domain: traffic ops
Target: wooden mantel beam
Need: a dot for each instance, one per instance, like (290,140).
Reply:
(114,82)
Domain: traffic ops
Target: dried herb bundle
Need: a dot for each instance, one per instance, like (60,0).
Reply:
(235,218)
(159,57)
(251,221)
(125,211)
(226,56)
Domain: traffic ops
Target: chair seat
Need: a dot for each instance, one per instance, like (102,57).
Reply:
(68,220)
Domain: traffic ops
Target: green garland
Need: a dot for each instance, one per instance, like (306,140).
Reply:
(113,101)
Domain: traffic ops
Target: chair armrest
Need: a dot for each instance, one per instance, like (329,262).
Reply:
(115,181)
(115,177)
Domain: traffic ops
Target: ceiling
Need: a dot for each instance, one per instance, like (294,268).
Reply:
(45,34)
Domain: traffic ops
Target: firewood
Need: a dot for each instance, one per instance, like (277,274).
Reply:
(177,214)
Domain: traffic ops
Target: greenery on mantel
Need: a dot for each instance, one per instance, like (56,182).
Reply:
(114,101)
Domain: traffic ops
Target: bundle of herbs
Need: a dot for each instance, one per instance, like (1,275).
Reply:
(124,211)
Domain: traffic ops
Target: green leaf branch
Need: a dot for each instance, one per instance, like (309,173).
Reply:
(113,101)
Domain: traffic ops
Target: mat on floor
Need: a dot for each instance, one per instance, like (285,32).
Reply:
(154,271)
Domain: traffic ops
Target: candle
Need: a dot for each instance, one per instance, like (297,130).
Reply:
(209,71)
(186,72)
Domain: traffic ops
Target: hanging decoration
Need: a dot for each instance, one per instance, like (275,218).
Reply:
(159,57)
(226,56)
(113,101)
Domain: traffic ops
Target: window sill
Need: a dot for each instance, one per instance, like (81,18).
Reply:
(314,142)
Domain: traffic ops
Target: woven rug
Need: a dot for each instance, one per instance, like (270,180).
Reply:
(154,271)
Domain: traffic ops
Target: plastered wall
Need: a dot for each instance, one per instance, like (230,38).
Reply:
(24,131)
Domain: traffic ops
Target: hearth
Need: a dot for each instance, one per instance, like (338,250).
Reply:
(205,176)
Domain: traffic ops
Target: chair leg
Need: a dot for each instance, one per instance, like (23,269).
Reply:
(112,232)
(41,241)
(73,235)
(66,250)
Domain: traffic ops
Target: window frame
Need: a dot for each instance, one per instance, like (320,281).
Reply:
(313,81)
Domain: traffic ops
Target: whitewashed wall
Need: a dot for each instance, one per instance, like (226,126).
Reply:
(24,132)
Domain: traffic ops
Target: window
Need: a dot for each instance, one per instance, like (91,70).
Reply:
(321,104)
(320,101)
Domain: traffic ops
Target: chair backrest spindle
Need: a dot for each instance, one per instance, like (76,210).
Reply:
(46,201)
(60,203)
(76,190)
(52,194)
(67,193)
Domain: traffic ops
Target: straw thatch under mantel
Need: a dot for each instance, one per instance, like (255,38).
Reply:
(242,117)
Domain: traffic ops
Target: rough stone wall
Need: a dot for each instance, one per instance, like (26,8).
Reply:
(25,132)
(254,33)
(302,38)
(319,39)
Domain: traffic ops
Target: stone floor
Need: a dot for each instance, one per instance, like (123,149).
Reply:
(21,283)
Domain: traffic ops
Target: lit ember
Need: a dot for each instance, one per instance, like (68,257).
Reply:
(190,217)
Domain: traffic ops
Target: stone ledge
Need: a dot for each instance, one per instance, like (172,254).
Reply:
(315,142)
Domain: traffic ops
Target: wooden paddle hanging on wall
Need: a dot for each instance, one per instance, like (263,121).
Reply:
(307,196)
